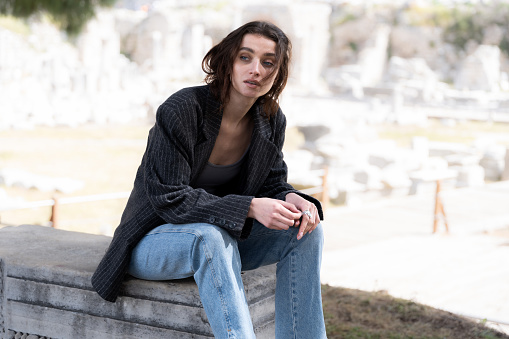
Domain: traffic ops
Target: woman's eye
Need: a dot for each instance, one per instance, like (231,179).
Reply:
(268,63)
(243,57)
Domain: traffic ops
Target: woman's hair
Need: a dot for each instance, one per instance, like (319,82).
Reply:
(218,63)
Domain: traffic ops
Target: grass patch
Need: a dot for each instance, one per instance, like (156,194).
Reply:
(352,314)
(104,158)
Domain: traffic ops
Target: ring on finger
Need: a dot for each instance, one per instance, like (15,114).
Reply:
(306,212)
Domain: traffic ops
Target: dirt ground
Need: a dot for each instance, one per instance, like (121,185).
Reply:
(357,314)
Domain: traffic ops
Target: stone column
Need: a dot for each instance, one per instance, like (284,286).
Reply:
(373,57)
(197,36)
(311,29)
(156,50)
(505,173)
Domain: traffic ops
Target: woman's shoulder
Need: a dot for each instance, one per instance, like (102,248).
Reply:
(278,120)
(187,104)
(280,116)
(189,96)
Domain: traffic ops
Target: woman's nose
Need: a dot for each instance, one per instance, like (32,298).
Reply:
(255,68)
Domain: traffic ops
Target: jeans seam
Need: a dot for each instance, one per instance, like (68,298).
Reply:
(293,293)
(212,270)
(216,283)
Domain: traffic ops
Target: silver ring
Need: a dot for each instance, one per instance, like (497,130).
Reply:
(306,212)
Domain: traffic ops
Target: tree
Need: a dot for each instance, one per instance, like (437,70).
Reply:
(69,15)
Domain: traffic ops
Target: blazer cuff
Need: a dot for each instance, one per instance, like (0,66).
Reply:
(308,198)
(246,230)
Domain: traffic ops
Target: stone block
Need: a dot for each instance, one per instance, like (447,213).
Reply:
(45,291)
(394,177)
(370,176)
(314,132)
(493,163)
(470,176)
(480,70)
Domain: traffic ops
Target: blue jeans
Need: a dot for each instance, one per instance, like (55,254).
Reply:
(215,260)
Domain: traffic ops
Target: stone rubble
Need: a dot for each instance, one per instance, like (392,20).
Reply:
(14,177)
(364,168)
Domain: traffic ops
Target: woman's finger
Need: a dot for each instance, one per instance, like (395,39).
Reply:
(315,220)
(291,207)
(303,226)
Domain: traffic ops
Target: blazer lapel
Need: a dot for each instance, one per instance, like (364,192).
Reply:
(212,117)
(261,155)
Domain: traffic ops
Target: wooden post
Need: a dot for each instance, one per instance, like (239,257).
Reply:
(325,188)
(439,210)
(54,213)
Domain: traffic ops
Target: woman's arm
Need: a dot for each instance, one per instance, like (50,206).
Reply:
(273,213)
(277,187)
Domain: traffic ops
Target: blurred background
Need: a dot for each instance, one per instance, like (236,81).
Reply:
(385,94)
(386,100)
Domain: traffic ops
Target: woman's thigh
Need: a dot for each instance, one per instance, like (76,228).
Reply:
(169,251)
(265,246)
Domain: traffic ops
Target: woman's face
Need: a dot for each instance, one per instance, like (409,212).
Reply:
(253,63)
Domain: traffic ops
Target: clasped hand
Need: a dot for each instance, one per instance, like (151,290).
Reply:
(281,215)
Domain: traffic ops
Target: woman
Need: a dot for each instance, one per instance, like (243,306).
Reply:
(210,197)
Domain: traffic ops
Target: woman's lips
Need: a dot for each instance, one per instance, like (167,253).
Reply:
(252,83)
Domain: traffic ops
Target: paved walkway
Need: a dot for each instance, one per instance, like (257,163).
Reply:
(389,246)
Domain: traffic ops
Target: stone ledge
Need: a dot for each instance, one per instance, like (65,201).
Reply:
(45,291)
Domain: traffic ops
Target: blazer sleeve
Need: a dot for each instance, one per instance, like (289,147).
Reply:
(167,174)
(276,185)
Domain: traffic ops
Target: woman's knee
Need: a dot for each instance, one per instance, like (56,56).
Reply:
(316,236)
(212,241)
(318,232)
(212,234)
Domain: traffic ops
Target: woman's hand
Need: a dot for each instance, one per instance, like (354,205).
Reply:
(274,214)
(310,217)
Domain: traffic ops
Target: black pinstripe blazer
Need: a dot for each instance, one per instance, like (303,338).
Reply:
(178,147)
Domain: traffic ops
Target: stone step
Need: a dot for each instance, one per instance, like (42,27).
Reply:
(45,291)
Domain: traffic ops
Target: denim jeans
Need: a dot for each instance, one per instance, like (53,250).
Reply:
(215,260)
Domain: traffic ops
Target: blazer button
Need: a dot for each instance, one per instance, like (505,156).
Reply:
(221,222)
(212,219)
(232,225)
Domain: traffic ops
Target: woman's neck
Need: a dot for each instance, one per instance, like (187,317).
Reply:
(235,110)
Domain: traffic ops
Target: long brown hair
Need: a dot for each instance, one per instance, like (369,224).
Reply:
(218,63)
